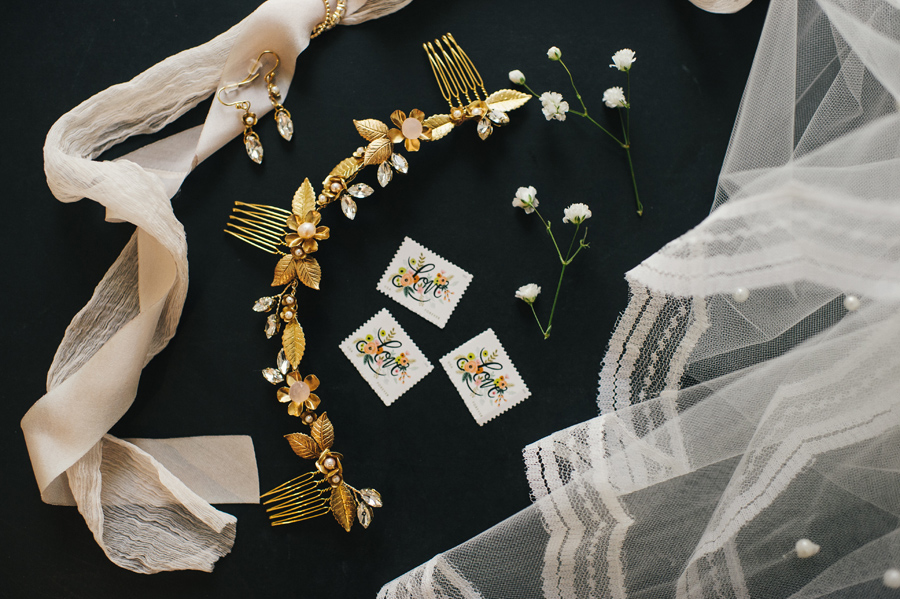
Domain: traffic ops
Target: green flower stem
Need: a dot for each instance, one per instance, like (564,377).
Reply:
(550,233)
(572,81)
(533,93)
(627,96)
(547,332)
(637,197)
(599,126)
(564,262)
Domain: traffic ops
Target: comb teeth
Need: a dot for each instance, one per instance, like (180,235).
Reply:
(455,72)
(259,225)
(298,499)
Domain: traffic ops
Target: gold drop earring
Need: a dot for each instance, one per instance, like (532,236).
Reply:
(251,139)
(282,116)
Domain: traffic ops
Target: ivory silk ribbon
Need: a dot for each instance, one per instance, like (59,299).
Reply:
(147,501)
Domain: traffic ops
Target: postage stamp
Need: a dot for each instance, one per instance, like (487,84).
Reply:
(485,377)
(424,282)
(386,357)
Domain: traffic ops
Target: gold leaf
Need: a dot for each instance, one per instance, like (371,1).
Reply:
(294,342)
(378,151)
(284,271)
(323,431)
(439,132)
(304,199)
(505,100)
(371,129)
(346,169)
(435,121)
(343,506)
(303,446)
(309,272)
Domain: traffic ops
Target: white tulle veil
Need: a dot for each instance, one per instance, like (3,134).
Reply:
(733,426)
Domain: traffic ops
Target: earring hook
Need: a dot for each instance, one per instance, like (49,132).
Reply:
(240,104)
(250,78)
(258,62)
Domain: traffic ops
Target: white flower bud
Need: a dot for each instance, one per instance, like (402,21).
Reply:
(623,59)
(528,293)
(553,106)
(576,214)
(526,199)
(554,53)
(517,77)
(614,97)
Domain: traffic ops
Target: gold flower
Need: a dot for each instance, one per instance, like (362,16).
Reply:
(299,393)
(305,234)
(411,129)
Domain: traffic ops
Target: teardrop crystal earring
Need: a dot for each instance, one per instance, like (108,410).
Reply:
(282,116)
(251,139)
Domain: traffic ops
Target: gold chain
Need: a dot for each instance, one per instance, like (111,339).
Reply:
(331,19)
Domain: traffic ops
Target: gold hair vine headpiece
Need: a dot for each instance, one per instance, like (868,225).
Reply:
(295,235)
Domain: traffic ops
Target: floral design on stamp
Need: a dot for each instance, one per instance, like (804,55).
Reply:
(485,377)
(478,373)
(375,351)
(424,282)
(418,281)
(385,356)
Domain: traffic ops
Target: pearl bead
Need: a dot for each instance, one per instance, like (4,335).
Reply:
(740,295)
(322,198)
(297,252)
(806,548)
(288,300)
(308,419)
(288,315)
(891,578)
(851,303)
(299,392)
(336,479)
(457,114)
(306,230)
(329,463)
(476,111)
(249,120)
(273,89)
(335,187)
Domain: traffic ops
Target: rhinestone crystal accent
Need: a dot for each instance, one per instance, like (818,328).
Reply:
(285,124)
(385,174)
(254,148)
(271,325)
(348,206)
(498,117)
(399,163)
(364,513)
(360,190)
(272,375)
(484,128)
(282,361)
(371,496)
(264,304)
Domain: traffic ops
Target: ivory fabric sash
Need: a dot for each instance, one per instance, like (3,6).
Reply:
(147,502)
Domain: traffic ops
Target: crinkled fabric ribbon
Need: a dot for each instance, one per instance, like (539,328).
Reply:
(147,502)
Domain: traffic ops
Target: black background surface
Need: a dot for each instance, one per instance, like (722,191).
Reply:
(444,478)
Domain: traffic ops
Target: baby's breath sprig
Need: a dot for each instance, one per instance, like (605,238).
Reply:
(576,214)
(555,108)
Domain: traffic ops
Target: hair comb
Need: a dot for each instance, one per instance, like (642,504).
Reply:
(294,235)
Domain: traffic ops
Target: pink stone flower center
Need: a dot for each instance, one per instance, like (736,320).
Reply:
(412,128)
(299,392)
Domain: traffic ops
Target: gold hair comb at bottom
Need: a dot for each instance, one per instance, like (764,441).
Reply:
(316,493)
